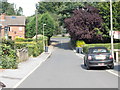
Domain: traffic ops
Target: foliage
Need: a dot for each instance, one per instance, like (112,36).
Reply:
(30,26)
(23,39)
(61,9)
(82,24)
(107,45)
(8,42)
(19,39)
(8,62)
(34,49)
(50,25)
(80,43)
(104,8)
(45,18)
(8,56)
(9,9)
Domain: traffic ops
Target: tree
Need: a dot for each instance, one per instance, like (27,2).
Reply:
(62,9)
(85,24)
(104,8)
(45,18)
(9,9)
(50,25)
(20,11)
(30,27)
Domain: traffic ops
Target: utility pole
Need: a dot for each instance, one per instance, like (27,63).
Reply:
(36,24)
(111,24)
(43,37)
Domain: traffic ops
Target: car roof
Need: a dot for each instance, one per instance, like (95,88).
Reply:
(98,48)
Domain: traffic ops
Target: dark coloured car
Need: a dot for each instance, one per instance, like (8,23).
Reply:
(98,57)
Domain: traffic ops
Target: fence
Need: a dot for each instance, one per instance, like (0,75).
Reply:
(22,54)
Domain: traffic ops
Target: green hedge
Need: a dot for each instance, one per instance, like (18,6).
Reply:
(23,39)
(107,45)
(8,57)
(34,49)
(80,43)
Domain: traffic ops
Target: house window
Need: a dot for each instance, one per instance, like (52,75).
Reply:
(20,28)
(10,29)
(15,32)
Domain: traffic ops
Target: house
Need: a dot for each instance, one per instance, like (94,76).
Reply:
(12,26)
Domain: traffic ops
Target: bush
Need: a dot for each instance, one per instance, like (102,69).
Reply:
(8,62)
(23,39)
(8,57)
(34,49)
(8,42)
(19,39)
(80,43)
(28,40)
(107,45)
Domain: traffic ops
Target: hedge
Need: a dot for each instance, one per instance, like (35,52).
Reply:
(8,57)
(80,43)
(107,45)
(34,49)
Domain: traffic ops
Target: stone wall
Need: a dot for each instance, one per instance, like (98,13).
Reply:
(22,54)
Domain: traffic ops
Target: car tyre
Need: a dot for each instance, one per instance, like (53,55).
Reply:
(112,66)
(88,67)
(84,63)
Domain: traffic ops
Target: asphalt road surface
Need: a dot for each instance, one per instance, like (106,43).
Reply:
(66,70)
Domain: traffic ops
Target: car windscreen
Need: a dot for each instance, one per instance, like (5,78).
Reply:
(98,50)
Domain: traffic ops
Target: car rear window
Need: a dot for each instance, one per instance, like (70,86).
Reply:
(98,50)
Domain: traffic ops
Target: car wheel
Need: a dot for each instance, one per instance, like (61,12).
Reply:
(84,63)
(88,67)
(112,66)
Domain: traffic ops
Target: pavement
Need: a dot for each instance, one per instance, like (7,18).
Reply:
(11,77)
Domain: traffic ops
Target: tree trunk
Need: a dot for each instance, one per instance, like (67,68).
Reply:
(49,40)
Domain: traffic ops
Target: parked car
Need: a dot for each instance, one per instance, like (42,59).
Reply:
(98,57)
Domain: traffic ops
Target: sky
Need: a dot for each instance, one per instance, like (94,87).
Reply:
(27,5)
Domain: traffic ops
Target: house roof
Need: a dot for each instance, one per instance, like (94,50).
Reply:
(13,20)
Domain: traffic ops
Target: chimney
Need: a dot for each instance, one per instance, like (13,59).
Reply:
(3,17)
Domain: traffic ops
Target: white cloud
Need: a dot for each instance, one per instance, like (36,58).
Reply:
(27,5)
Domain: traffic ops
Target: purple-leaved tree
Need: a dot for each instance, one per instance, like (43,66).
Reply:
(85,24)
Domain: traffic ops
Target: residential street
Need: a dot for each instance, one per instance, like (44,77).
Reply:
(64,69)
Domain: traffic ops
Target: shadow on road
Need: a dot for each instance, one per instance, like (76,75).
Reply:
(61,45)
(53,41)
(64,46)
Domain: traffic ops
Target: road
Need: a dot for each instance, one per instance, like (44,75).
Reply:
(64,69)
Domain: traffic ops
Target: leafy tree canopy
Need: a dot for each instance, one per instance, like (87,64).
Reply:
(84,24)
(10,9)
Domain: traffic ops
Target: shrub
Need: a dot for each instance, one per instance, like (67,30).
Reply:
(34,49)
(8,62)
(80,43)
(28,40)
(107,45)
(8,42)
(23,39)
(8,57)
(18,39)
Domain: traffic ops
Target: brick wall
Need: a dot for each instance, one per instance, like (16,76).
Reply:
(16,31)
(2,32)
